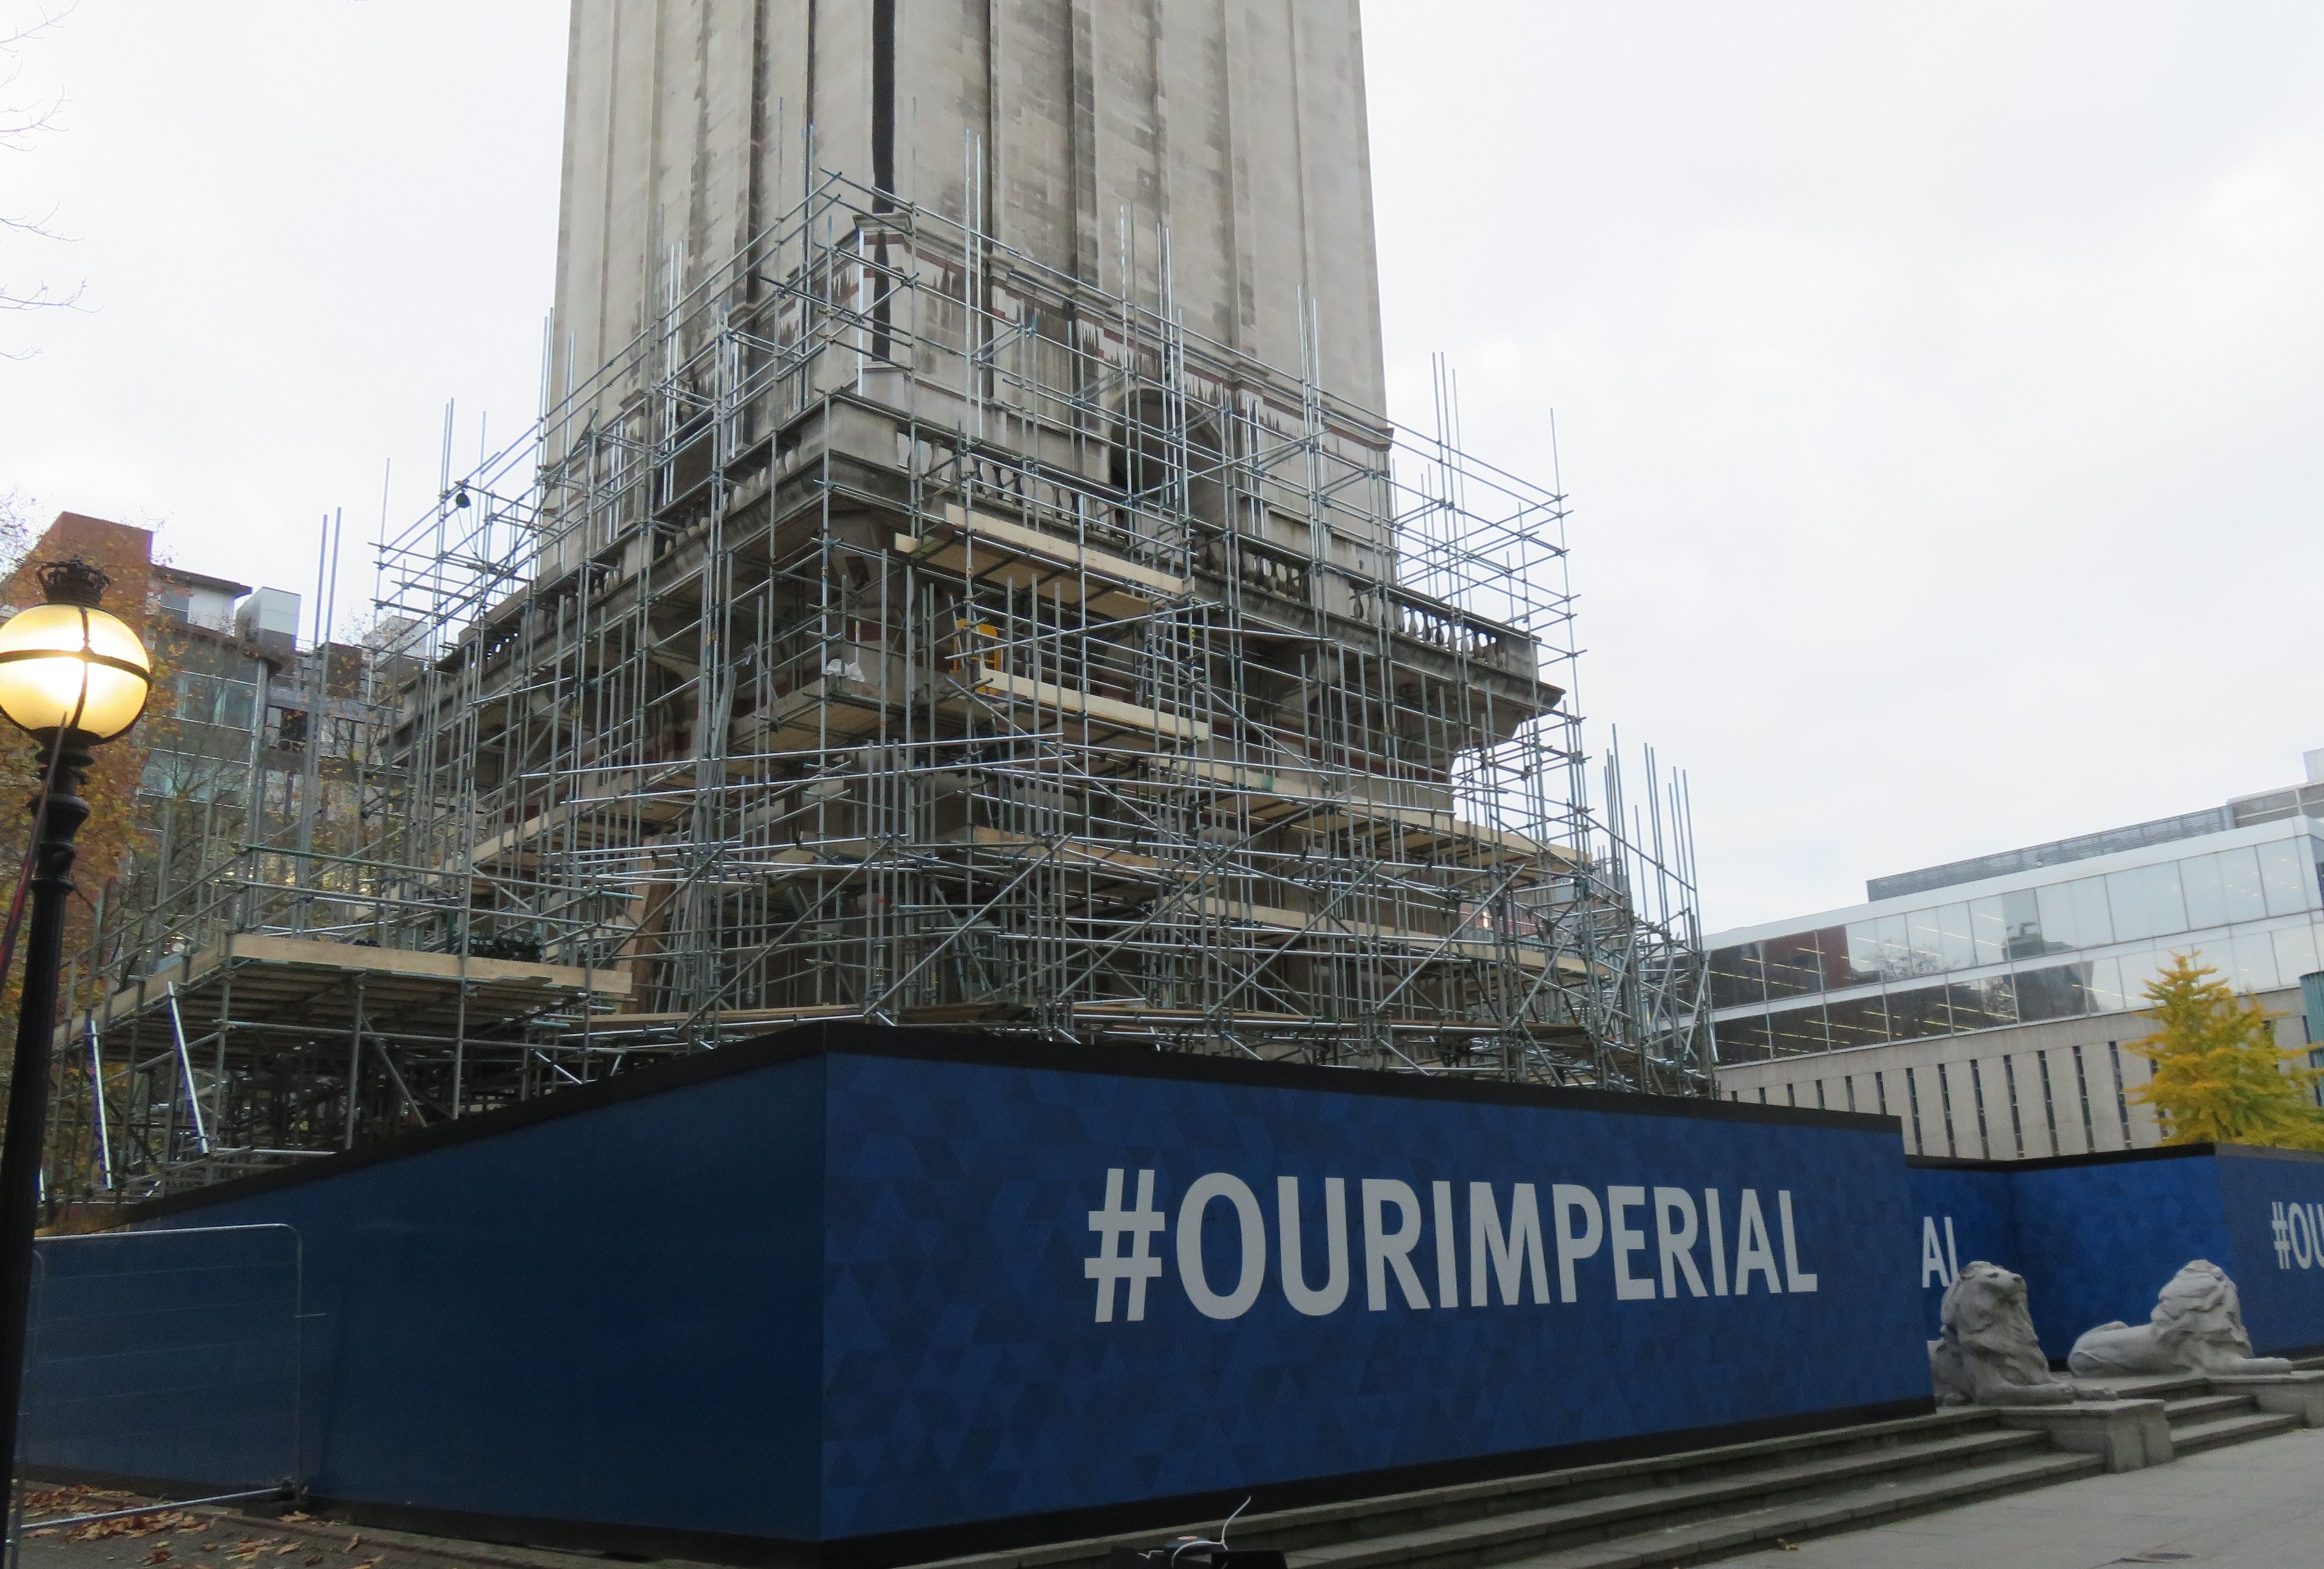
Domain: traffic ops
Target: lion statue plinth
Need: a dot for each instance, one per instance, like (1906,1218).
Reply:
(2197,1328)
(1989,1354)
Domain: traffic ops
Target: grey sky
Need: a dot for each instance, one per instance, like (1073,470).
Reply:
(1937,387)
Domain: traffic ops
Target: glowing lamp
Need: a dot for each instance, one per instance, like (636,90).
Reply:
(67,666)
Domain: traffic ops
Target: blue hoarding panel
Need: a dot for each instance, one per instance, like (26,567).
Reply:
(2273,1206)
(2097,1237)
(2103,1238)
(1961,1214)
(867,1284)
(991,1353)
(606,1315)
(170,1354)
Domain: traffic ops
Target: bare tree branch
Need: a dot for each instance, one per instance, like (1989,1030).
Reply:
(20,127)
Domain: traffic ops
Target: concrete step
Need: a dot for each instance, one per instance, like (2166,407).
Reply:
(2197,1408)
(1352,1521)
(2215,1431)
(1526,1533)
(1318,1525)
(1700,1541)
(2164,1386)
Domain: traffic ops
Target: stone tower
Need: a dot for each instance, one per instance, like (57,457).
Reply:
(1078,131)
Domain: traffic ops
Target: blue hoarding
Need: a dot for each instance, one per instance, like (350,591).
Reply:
(2272,1203)
(2097,1236)
(885,1286)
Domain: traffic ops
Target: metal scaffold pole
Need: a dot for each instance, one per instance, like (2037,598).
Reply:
(901,629)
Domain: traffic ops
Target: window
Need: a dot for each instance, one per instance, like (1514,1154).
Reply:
(2053,992)
(1977,1089)
(1791,1095)
(1945,1100)
(2240,889)
(1743,1040)
(2021,920)
(1989,934)
(1895,942)
(2284,876)
(1794,1032)
(1928,950)
(2057,906)
(2138,969)
(2106,987)
(1763,1094)
(1866,955)
(1918,1013)
(2016,1124)
(2121,1099)
(2093,927)
(1954,936)
(2295,953)
(2207,899)
(1820,1105)
(2049,1102)
(2252,968)
(1880,1089)
(1982,1004)
(2082,1086)
(1794,966)
(1912,1094)
(1861,1022)
(214,699)
(1850,1082)
(2147,902)
(1736,977)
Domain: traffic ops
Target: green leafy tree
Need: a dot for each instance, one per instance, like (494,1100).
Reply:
(2218,1074)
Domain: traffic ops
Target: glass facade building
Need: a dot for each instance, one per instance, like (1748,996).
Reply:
(2048,943)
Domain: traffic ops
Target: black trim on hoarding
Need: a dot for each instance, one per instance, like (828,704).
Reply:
(889,1549)
(2113,1158)
(850,1038)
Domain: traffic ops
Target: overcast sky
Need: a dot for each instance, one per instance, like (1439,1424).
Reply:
(1939,389)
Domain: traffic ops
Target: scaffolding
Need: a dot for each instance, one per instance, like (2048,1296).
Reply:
(901,630)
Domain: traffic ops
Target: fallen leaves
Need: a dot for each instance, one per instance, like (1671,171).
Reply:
(146,1523)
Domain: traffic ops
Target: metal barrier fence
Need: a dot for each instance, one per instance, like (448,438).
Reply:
(167,1360)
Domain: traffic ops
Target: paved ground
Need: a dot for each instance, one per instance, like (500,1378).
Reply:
(2249,1506)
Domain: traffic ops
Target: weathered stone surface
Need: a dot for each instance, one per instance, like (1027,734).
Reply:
(1989,1354)
(2127,1434)
(2197,1328)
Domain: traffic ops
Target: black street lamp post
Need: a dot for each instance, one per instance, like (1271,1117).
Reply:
(73,677)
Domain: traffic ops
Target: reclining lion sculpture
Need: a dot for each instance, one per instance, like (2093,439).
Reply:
(1988,1354)
(2197,1328)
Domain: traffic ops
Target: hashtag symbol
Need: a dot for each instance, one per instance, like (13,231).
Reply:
(1112,1224)
(2282,1237)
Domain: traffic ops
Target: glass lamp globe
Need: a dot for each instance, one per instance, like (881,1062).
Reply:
(67,665)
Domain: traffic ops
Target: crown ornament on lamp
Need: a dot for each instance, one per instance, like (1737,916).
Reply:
(68,666)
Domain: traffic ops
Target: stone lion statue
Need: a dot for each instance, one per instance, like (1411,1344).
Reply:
(2197,1328)
(1988,1354)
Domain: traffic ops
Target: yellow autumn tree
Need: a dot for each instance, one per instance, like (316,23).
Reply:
(2218,1074)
